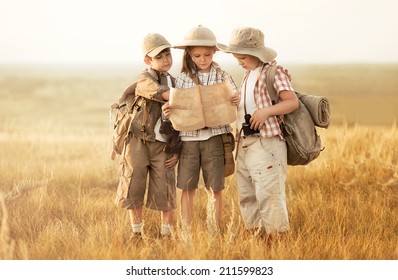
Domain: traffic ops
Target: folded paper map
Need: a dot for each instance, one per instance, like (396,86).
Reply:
(201,106)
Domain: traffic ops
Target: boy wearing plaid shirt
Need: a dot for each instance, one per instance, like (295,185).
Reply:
(262,154)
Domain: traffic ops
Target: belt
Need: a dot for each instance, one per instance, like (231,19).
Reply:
(257,135)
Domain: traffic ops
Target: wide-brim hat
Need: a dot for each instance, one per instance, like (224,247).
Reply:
(248,40)
(198,36)
(153,44)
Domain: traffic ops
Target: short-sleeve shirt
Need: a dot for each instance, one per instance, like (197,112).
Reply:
(263,99)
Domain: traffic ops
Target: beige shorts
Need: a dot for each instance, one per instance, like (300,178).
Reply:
(207,155)
(142,161)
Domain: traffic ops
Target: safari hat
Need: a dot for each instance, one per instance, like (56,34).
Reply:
(153,44)
(198,36)
(247,40)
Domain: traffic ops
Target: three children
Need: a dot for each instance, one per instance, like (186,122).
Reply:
(261,161)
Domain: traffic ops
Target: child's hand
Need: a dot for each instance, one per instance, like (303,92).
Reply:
(258,119)
(166,109)
(235,100)
(171,162)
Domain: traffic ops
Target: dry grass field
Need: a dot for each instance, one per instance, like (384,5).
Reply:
(57,182)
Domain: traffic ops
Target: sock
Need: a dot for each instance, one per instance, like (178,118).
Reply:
(137,228)
(165,229)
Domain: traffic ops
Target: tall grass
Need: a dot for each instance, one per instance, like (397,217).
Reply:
(57,203)
(58,186)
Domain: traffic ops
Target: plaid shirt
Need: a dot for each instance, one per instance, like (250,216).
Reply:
(262,98)
(216,76)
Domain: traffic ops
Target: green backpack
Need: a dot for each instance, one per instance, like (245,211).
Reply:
(299,127)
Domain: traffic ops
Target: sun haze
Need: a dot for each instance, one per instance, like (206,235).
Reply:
(308,31)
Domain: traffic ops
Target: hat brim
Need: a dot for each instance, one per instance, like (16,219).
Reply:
(265,54)
(195,43)
(157,50)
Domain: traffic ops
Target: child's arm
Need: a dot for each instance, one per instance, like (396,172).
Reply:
(152,90)
(288,100)
(165,95)
(288,103)
(173,143)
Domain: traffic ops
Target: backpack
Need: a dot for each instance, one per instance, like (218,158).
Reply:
(298,127)
(122,119)
(129,109)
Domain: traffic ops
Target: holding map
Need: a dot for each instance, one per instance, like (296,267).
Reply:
(201,106)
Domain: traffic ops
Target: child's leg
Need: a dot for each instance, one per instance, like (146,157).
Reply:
(167,220)
(187,198)
(136,176)
(218,206)
(265,162)
(188,178)
(161,190)
(248,204)
(270,186)
(136,220)
(212,159)
(167,217)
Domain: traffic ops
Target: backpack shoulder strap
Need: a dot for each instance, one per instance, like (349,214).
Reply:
(270,77)
(173,81)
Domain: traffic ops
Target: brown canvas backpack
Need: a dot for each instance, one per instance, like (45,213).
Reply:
(122,119)
(299,127)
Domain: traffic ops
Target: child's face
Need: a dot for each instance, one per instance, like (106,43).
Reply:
(202,57)
(248,62)
(161,62)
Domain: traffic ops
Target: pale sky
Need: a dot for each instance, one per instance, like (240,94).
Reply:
(111,31)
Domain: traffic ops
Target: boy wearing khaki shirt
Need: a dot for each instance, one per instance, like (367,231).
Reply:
(153,146)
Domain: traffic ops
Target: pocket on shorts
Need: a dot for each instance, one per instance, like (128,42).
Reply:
(276,149)
(171,178)
(171,188)
(164,198)
(126,174)
(218,157)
